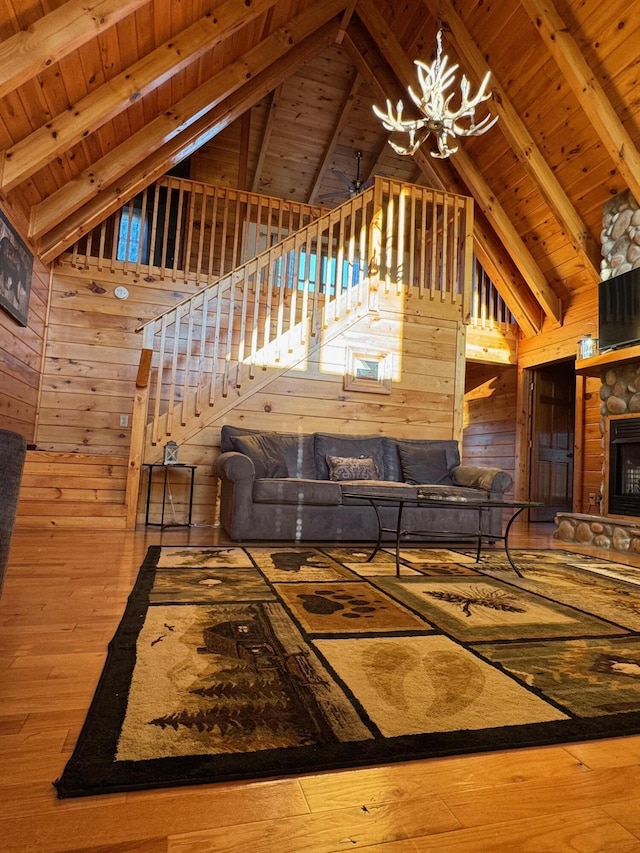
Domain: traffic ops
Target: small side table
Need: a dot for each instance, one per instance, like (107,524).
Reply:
(180,466)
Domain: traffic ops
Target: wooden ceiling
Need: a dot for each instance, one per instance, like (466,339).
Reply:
(100,97)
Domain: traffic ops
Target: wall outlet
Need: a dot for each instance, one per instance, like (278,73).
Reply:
(593,498)
(124,420)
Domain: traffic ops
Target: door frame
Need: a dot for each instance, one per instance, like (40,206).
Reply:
(524,422)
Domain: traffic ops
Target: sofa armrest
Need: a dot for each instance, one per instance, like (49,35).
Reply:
(493,480)
(234,466)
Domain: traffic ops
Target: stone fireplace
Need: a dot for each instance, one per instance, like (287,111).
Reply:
(618,528)
(622,466)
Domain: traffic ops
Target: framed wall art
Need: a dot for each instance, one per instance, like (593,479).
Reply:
(16,269)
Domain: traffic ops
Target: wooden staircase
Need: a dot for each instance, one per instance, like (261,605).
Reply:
(272,312)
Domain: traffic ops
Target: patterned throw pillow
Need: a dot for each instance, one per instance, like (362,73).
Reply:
(347,468)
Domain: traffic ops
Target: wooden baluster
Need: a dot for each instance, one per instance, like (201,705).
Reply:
(286,260)
(103,238)
(362,251)
(174,371)
(211,274)
(273,280)
(306,285)
(319,283)
(155,437)
(257,287)
(223,236)
(400,241)
(468,254)
(186,258)
(204,201)
(165,232)
(229,347)
(154,230)
(127,241)
(143,231)
(434,249)
(243,325)
(213,384)
(235,245)
(188,355)
(456,285)
(114,240)
(177,247)
(410,280)
(444,266)
(203,347)
(427,206)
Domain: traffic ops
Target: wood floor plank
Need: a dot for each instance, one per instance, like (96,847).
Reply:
(63,598)
(326,832)
(583,831)
(529,799)
(377,785)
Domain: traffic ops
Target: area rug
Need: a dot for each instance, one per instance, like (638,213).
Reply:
(235,663)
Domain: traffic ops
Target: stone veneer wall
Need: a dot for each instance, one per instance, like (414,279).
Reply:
(620,236)
(620,389)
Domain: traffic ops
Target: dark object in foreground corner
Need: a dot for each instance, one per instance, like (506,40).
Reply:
(13,449)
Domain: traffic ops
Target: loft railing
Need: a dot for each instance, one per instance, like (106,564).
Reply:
(183,229)
(488,308)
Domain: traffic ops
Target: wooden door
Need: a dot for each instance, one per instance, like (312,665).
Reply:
(552,439)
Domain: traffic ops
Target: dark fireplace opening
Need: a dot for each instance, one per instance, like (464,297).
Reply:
(624,466)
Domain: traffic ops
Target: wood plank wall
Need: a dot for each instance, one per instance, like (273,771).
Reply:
(73,491)
(592,449)
(490,416)
(89,378)
(21,357)
(426,392)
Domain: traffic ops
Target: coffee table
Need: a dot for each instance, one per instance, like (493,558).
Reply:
(424,500)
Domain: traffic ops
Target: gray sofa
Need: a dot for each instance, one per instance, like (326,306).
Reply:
(278,486)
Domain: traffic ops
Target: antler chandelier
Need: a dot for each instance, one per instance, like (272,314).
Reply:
(435,105)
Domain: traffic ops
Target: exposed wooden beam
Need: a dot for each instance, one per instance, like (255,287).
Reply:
(587,89)
(55,36)
(91,112)
(266,138)
(173,121)
(344,23)
(404,69)
(342,119)
(522,142)
(182,146)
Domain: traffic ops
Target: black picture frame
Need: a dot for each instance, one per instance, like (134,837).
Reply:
(16,270)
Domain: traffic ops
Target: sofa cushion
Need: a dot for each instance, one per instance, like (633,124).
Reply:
(298,450)
(265,452)
(297,491)
(427,462)
(346,468)
(327,444)
(489,479)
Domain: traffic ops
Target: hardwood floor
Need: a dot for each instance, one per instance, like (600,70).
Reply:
(63,598)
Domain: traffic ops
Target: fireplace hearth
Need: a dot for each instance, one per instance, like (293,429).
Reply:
(624,466)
